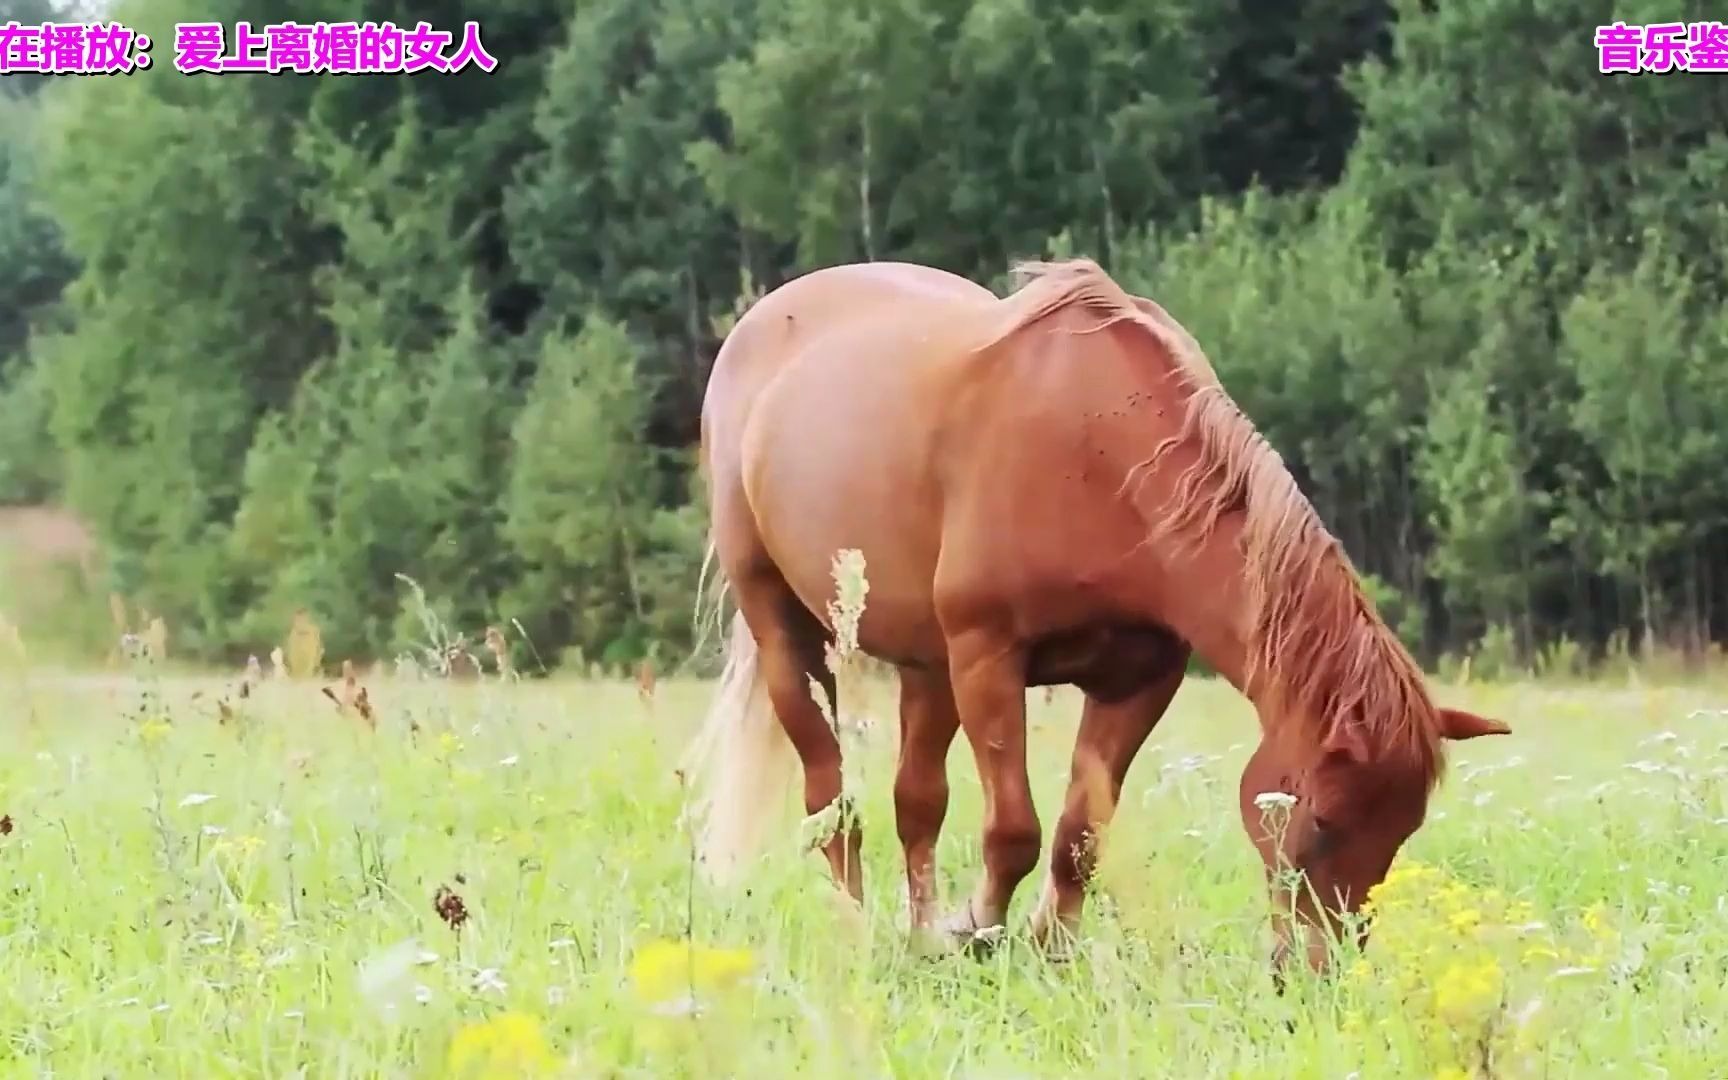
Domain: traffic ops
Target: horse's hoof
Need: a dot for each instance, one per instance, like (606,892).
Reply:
(1055,936)
(964,935)
(1057,946)
(930,942)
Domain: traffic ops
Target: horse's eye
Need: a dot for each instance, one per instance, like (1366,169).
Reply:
(1326,836)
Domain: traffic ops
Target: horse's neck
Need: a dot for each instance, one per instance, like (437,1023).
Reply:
(1199,591)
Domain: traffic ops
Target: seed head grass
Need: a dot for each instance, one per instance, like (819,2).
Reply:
(493,883)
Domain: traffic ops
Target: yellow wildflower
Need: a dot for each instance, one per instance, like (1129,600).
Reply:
(1596,920)
(508,1045)
(664,971)
(1454,895)
(1452,1072)
(1465,990)
(1464,922)
(237,849)
(154,730)
(1399,885)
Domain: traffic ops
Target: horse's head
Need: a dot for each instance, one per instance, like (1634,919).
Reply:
(1339,820)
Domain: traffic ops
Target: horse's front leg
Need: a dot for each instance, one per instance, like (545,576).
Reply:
(988,677)
(928,722)
(1109,738)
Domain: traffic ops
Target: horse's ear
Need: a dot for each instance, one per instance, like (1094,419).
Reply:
(1458,724)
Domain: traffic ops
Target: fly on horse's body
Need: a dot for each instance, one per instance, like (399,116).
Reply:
(1048,488)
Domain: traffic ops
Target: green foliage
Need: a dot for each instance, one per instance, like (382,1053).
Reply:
(34,266)
(1470,471)
(458,328)
(960,134)
(582,506)
(1645,349)
(387,460)
(29,465)
(34,270)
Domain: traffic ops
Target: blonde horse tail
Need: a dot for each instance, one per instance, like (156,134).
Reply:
(741,765)
(709,613)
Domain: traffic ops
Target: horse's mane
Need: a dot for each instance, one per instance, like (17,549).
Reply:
(1324,654)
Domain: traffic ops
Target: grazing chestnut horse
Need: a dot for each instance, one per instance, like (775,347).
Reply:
(1049,488)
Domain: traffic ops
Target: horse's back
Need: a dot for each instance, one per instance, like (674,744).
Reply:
(826,303)
(847,330)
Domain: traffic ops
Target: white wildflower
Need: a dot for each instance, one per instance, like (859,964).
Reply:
(988,935)
(383,977)
(489,979)
(1528,1013)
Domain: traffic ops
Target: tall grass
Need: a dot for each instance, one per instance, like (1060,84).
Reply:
(279,896)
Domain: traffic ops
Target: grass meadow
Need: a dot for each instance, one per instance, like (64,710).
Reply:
(194,884)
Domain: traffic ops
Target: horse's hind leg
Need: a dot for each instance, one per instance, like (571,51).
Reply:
(1109,738)
(928,722)
(790,641)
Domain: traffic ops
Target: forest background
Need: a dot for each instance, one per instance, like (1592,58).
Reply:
(275,341)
